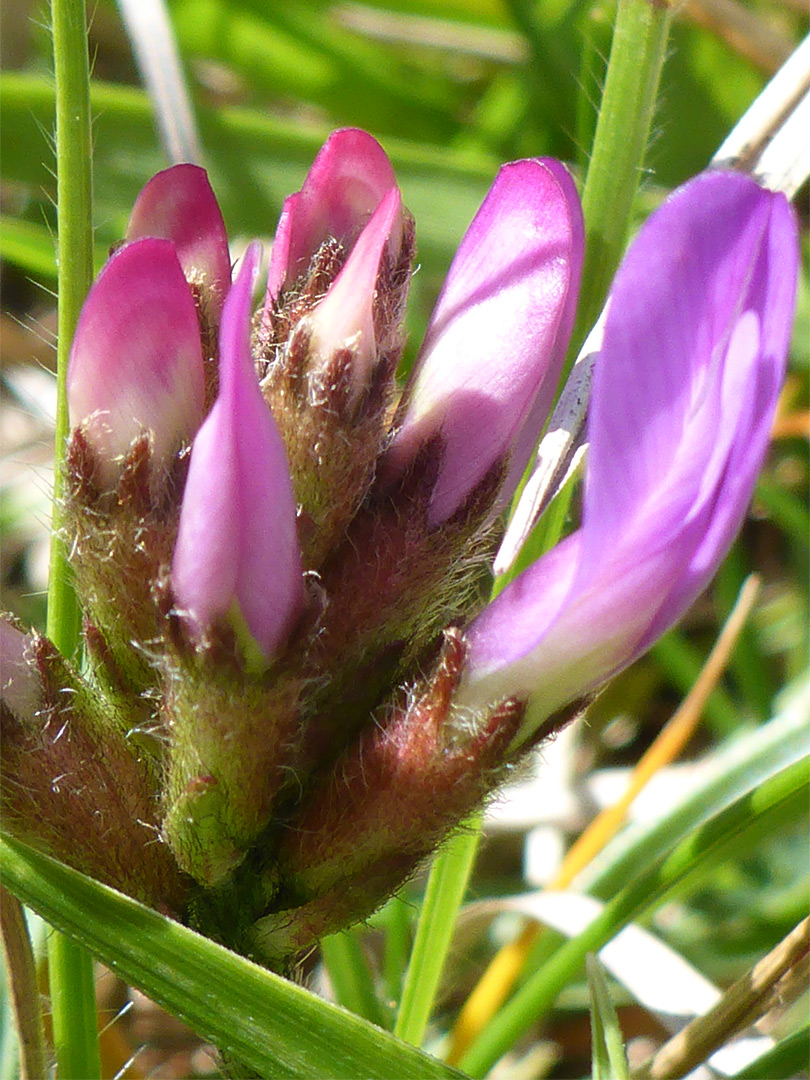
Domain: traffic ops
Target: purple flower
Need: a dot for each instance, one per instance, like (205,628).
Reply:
(687,377)
(237,549)
(315,714)
(489,365)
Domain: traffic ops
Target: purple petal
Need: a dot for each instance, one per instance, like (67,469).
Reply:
(693,356)
(346,183)
(717,321)
(136,361)
(345,316)
(20,684)
(489,366)
(178,204)
(237,541)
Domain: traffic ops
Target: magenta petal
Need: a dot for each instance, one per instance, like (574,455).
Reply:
(346,183)
(20,684)
(685,387)
(497,338)
(345,316)
(237,541)
(178,204)
(136,362)
(280,253)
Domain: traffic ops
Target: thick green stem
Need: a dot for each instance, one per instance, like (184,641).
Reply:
(70,968)
(637,56)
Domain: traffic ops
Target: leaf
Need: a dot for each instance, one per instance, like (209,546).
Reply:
(609,1061)
(350,975)
(787,1058)
(260,1019)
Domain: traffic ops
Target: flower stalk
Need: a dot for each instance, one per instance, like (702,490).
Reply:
(70,968)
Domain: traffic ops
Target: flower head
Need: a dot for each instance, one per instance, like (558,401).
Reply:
(344,318)
(347,181)
(302,592)
(496,341)
(179,205)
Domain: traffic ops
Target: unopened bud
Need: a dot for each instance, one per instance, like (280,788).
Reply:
(136,363)
(237,545)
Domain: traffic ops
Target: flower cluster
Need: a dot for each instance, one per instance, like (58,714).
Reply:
(294,689)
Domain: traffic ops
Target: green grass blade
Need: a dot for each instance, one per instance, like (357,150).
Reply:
(260,1019)
(31,247)
(447,884)
(609,1061)
(787,1058)
(397,946)
(350,976)
(736,772)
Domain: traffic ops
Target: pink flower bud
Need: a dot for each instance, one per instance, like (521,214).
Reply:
(496,341)
(136,363)
(237,546)
(344,319)
(347,181)
(179,205)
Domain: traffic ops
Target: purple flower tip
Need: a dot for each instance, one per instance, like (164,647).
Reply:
(237,541)
(347,181)
(136,362)
(345,316)
(178,204)
(695,342)
(493,351)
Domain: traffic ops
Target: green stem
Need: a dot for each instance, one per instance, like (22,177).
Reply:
(446,886)
(75,272)
(70,968)
(397,946)
(637,56)
(73,1010)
